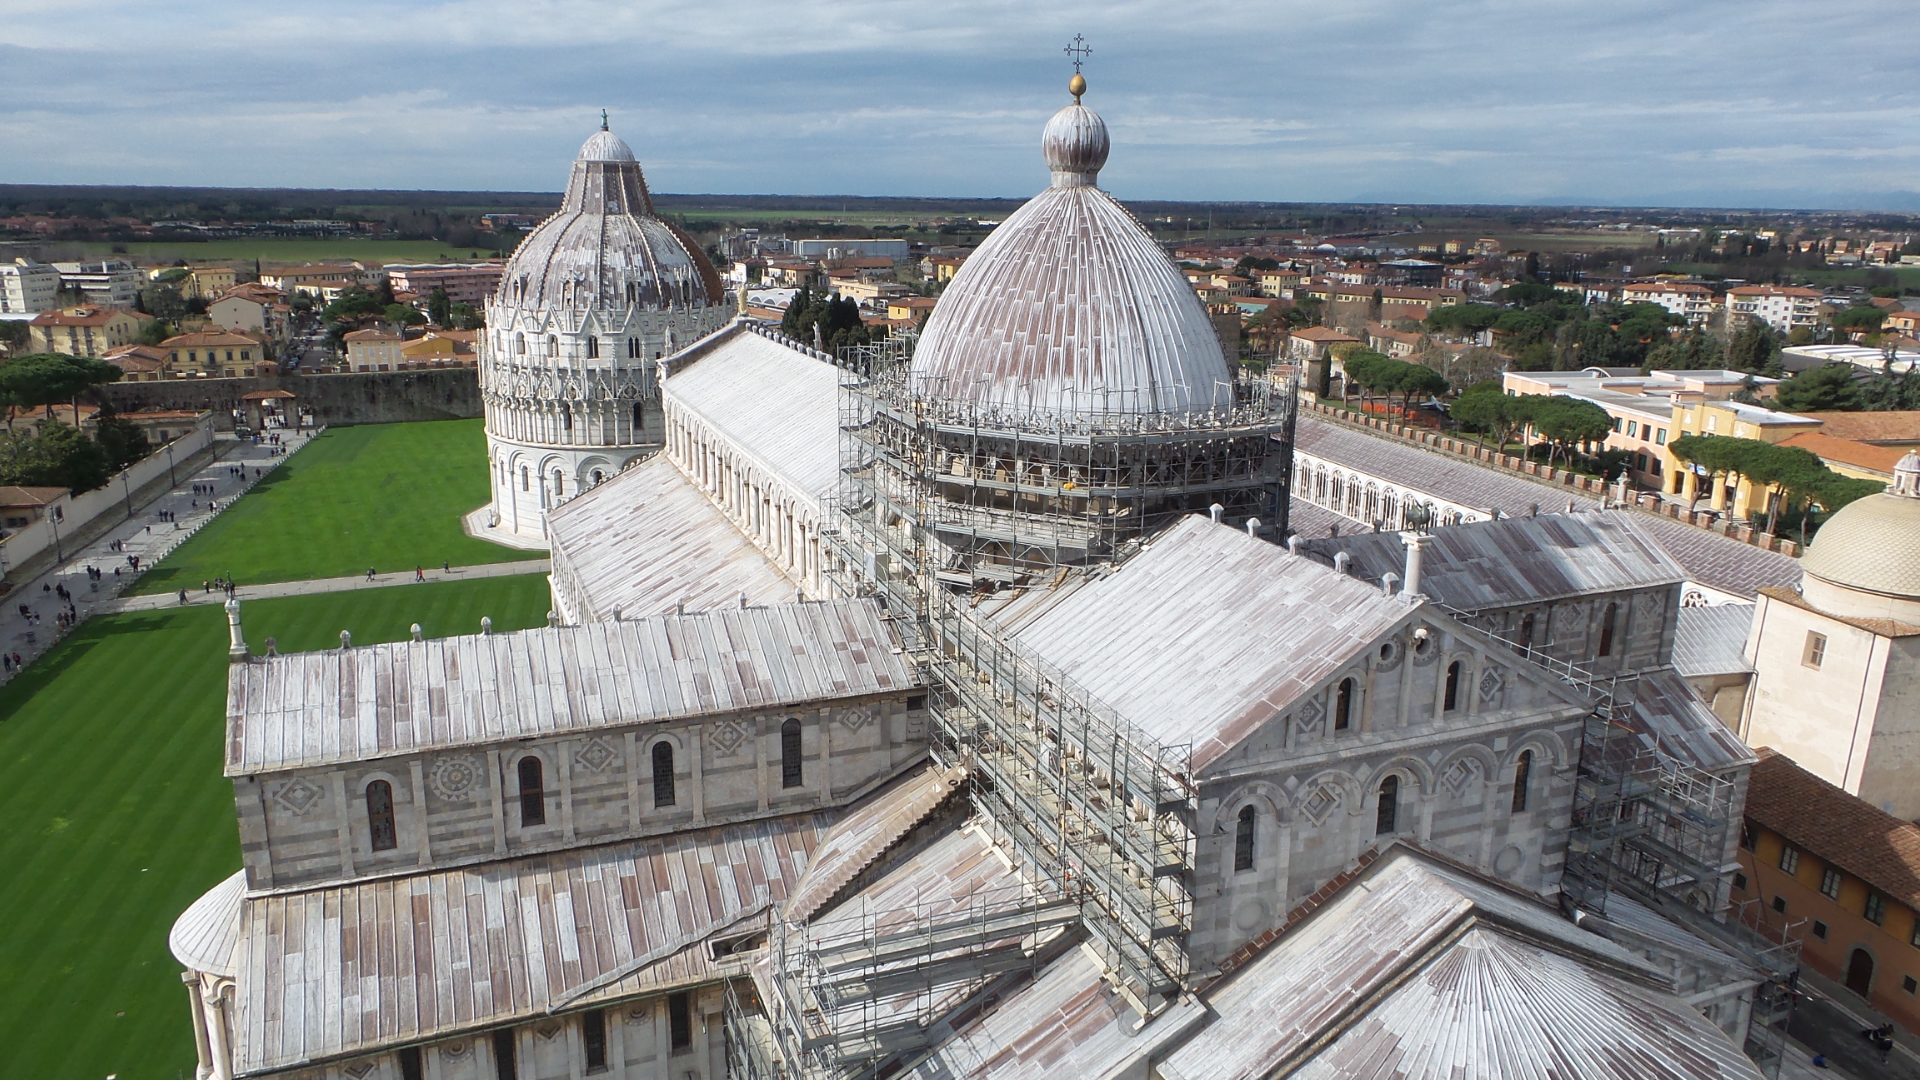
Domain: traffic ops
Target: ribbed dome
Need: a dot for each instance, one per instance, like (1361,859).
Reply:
(1872,544)
(1069,308)
(606,246)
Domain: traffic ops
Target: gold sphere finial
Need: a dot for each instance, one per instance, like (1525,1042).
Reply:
(1077,86)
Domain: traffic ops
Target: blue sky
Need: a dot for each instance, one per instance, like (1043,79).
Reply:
(1706,103)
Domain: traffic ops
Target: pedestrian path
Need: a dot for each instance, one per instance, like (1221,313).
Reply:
(206,595)
(148,535)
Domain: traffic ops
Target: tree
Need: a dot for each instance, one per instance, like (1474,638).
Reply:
(1865,319)
(46,378)
(404,315)
(163,301)
(465,317)
(153,332)
(1754,349)
(122,440)
(1463,320)
(1823,389)
(1484,406)
(14,334)
(1567,423)
(54,456)
(439,307)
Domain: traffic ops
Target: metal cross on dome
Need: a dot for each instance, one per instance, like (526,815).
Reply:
(1079,50)
(603,119)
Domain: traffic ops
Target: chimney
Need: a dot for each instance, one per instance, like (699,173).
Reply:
(1253,527)
(418,634)
(1217,513)
(486,624)
(1293,544)
(1416,543)
(1388,581)
(346,639)
(237,651)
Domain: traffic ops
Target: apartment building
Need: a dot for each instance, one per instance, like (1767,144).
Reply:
(1695,303)
(1782,307)
(28,287)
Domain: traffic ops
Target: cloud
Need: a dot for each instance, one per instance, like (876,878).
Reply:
(1633,101)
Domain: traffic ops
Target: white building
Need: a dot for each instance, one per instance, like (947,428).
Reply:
(1782,307)
(28,287)
(1837,661)
(587,306)
(1695,303)
(835,248)
(113,283)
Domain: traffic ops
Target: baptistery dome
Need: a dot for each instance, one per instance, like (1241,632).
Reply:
(606,245)
(1070,308)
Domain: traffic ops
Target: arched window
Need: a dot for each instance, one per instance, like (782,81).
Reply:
(559,482)
(520,344)
(1606,629)
(533,793)
(1452,700)
(553,345)
(1385,818)
(1343,706)
(1243,840)
(1522,774)
(663,773)
(593,348)
(637,424)
(526,478)
(566,417)
(790,754)
(380,830)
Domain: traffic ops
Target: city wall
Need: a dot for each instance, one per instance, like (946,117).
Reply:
(367,397)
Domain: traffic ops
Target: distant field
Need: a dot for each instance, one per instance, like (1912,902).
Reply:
(118,816)
(296,251)
(389,496)
(1907,276)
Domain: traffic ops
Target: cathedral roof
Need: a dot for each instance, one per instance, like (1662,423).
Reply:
(1870,544)
(1070,308)
(606,246)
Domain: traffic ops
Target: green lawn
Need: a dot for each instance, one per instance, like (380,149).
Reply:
(389,496)
(118,817)
(296,251)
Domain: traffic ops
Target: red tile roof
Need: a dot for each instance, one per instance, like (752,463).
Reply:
(1848,832)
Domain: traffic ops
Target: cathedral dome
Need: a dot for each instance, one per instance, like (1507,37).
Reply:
(1873,544)
(606,247)
(1070,308)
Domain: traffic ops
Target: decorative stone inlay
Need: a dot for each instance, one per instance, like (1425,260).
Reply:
(1321,804)
(596,756)
(855,719)
(299,796)
(1491,684)
(728,737)
(454,779)
(457,1050)
(359,1069)
(1462,773)
(1307,721)
(548,1032)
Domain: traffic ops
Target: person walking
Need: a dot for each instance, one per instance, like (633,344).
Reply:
(369,573)
(183,597)
(419,574)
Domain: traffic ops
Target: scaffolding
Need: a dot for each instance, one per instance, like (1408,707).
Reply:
(846,995)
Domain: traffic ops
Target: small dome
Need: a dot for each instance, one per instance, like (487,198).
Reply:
(604,145)
(1070,309)
(1871,545)
(1076,146)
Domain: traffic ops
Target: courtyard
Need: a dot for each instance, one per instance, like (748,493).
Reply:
(386,496)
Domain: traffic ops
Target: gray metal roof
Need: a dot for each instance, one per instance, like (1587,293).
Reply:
(1465,991)
(605,247)
(775,403)
(648,542)
(1070,308)
(1712,640)
(344,970)
(367,702)
(1671,718)
(1711,559)
(203,938)
(1068,1023)
(867,831)
(1208,633)
(1482,565)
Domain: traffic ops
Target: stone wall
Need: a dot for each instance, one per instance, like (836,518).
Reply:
(362,397)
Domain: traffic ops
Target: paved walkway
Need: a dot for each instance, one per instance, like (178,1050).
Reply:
(325,585)
(237,466)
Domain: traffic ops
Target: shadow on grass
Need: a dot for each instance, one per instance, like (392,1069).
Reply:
(92,634)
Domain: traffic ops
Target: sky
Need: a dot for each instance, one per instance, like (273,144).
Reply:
(1754,103)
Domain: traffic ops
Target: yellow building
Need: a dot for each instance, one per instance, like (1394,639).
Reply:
(217,355)
(85,331)
(207,282)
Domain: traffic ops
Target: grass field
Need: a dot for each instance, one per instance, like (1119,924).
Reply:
(295,251)
(389,496)
(118,817)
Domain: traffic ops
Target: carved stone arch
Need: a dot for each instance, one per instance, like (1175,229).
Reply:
(402,787)
(1547,744)
(1348,785)
(1267,796)
(1418,770)
(676,739)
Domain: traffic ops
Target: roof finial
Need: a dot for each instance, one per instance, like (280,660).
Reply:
(603,119)
(1079,50)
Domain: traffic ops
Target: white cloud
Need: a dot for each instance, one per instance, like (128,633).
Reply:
(1500,100)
